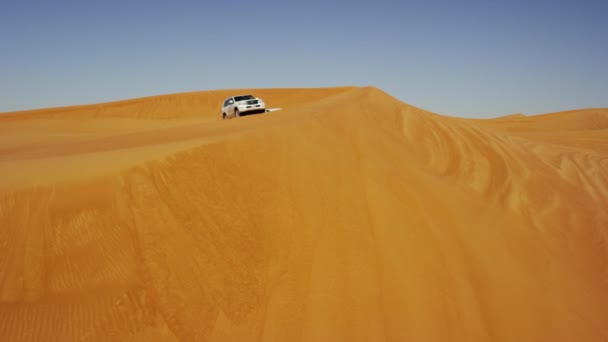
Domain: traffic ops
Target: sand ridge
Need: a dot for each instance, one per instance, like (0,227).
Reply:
(348,215)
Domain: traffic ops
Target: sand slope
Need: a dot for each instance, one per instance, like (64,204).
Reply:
(348,216)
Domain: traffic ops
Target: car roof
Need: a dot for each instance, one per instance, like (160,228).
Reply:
(241,95)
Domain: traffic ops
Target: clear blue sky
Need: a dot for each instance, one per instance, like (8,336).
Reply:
(476,58)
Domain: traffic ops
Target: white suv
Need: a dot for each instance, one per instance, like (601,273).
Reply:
(236,106)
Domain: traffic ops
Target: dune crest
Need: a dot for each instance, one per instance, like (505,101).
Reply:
(347,216)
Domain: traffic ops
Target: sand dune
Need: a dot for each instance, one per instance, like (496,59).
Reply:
(347,216)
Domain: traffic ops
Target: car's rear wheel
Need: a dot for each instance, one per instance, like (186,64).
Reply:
(224,116)
(236,113)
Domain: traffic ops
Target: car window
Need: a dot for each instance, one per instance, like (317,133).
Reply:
(244,97)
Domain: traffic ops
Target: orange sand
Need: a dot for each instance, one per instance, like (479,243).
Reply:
(347,216)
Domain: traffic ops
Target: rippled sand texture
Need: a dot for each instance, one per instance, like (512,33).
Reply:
(347,216)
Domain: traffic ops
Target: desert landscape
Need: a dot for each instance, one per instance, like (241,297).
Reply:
(346,216)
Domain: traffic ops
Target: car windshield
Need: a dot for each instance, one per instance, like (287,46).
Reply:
(244,97)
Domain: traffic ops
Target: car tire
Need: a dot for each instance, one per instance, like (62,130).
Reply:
(236,113)
(223,116)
